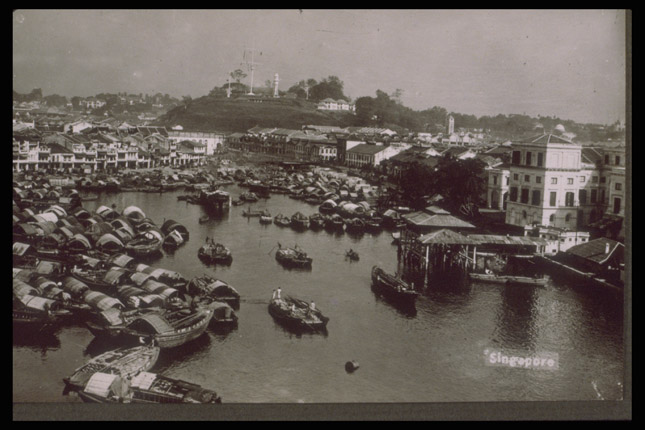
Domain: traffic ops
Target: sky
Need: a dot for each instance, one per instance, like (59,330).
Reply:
(567,63)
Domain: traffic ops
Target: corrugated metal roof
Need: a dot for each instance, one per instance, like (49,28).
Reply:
(494,239)
(447,237)
(437,220)
(597,250)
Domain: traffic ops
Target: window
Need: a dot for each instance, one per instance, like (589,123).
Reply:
(619,186)
(523,214)
(616,205)
(535,197)
(494,179)
(567,218)
(617,160)
(570,181)
(594,179)
(516,177)
(554,181)
(582,197)
(525,195)
(508,180)
(540,159)
(528,158)
(527,178)
(603,179)
(516,157)
(538,179)
(568,199)
(513,194)
(582,179)
(551,217)
(594,196)
(607,159)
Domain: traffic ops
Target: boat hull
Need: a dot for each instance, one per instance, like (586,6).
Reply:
(508,280)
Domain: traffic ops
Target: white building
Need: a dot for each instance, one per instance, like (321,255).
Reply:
(211,140)
(545,183)
(372,155)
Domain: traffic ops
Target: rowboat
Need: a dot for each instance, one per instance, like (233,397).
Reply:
(282,220)
(352,255)
(204,219)
(507,280)
(122,361)
(215,253)
(216,289)
(299,221)
(251,213)
(223,314)
(145,387)
(145,244)
(297,314)
(293,257)
(392,287)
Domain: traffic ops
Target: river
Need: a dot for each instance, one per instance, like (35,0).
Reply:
(435,354)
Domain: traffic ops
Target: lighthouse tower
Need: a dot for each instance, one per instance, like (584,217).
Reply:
(276,80)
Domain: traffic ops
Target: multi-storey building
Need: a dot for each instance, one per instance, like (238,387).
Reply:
(211,140)
(545,183)
(497,186)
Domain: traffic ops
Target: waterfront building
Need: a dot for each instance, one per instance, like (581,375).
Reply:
(559,240)
(603,257)
(497,186)
(545,183)
(336,105)
(369,155)
(190,153)
(433,219)
(212,139)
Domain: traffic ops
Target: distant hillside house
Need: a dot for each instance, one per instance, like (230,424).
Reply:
(92,103)
(336,105)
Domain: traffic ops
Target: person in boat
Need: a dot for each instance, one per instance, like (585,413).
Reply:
(273,295)
(312,307)
(278,291)
(293,307)
(279,245)
(488,271)
(207,239)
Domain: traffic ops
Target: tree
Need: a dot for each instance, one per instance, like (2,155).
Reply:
(238,75)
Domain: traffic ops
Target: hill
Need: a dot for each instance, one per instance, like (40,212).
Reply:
(238,115)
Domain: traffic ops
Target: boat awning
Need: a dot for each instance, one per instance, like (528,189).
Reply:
(81,240)
(58,210)
(109,239)
(20,249)
(101,301)
(129,291)
(155,321)
(140,278)
(155,287)
(141,267)
(113,275)
(21,289)
(134,212)
(446,237)
(74,286)
(121,260)
(143,380)
(100,384)
(38,303)
(112,316)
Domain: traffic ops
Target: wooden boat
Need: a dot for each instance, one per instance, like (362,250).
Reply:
(355,225)
(145,387)
(173,240)
(282,221)
(392,287)
(204,219)
(316,222)
(299,221)
(168,329)
(216,289)
(145,244)
(335,223)
(237,202)
(374,224)
(122,361)
(352,255)
(223,313)
(293,257)
(265,217)
(249,197)
(38,313)
(507,279)
(251,213)
(297,314)
(215,253)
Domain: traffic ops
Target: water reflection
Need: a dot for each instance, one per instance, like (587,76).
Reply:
(37,338)
(515,319)
(405,309)
(190,351)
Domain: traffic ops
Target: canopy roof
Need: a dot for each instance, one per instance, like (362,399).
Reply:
(446,237)
(134,212)
(100,384)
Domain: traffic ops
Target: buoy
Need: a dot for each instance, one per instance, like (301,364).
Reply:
(351,366)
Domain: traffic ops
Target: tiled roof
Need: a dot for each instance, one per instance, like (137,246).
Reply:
(591,155)
(366,149)
(594,250)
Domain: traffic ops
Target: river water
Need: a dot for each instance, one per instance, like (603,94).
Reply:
(433,354)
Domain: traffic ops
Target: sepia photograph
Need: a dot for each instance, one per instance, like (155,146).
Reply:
(321,214)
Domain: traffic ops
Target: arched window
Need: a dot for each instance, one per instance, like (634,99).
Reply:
(523,214)
(567,218)
(551,217)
